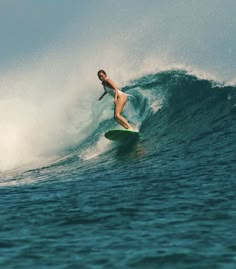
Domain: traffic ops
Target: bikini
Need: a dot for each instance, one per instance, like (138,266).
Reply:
(111,91)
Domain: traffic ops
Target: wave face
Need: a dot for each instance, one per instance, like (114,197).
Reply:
(182,114)
(164,201)
(196,116)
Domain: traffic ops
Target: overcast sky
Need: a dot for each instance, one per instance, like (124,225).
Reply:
(199,31)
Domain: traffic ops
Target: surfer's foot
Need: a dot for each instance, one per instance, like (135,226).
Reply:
(133,128)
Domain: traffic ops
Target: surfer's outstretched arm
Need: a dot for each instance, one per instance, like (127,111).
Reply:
(100,98)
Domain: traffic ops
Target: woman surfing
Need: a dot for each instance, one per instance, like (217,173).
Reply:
(120,98)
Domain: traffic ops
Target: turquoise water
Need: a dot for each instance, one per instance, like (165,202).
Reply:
(166,200)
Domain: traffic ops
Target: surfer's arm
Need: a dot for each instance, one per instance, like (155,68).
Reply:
(100,98)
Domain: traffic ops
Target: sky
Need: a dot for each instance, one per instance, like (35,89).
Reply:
(29,25)
(190,32)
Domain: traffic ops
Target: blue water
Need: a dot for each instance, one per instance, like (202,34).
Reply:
(167,200)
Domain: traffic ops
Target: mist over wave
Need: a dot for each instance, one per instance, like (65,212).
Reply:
(49,102)
(41,111)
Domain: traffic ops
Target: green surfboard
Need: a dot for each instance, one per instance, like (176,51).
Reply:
(121,134)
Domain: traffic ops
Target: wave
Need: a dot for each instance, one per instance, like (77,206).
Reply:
(170,107)
(175,109)
(190,102)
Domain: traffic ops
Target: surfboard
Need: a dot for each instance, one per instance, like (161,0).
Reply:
(121,134)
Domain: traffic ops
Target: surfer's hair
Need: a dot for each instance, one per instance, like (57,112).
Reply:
(102,71)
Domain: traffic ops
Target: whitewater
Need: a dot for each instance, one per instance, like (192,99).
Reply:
(70,198)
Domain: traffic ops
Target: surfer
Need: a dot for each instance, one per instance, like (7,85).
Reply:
(120,98)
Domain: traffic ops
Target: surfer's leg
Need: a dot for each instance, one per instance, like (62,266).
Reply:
(121,101)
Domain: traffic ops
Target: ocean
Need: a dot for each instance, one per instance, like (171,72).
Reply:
(166,200)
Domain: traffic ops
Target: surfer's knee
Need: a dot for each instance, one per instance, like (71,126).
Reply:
(116,116)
